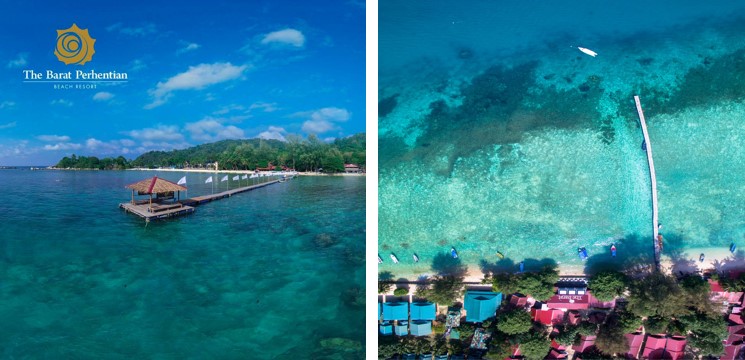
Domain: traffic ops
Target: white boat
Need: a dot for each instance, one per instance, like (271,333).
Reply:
(416,258)
(380,261)
(587,51)
(394,258)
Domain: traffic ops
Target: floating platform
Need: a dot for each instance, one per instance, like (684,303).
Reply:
(183,207)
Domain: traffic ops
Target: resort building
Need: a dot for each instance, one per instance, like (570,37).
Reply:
(481,305)
(734,345)
(420,327)
(352,169)
(635,341)
(423,311)
(721,296)
(663,347)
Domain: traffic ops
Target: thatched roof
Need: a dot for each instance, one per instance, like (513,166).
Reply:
(155,186)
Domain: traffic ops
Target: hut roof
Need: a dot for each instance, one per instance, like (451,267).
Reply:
(155,186)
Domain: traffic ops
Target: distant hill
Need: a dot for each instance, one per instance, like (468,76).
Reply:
(248,154)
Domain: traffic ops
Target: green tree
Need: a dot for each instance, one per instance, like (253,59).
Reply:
(513,322)
(539,285)
(568,335)
(385,282)
(706,332)
(656,325)
(499,348)
(607,285)
(657,294)
(534,345)
(587,328)
(697,293)
(505,283)
(443,290)
(610,339)
(628,321)
(401,292)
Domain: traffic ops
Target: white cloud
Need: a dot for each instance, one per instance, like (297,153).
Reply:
(127,142)
(62,146)
(286,36)
(266,107)
(323,120)
(146,29)
(19,61)
(103,96)
(137,65)
(8,125)
(211,129)
(226,109)
(188,47)
(197,77)
(159,133)
(54,138)
(7,104)
(62,102)
(274,132)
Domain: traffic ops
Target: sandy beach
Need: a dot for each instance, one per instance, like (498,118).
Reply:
(242,172)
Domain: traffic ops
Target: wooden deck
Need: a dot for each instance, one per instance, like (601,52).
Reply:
(183,207)
(653,177)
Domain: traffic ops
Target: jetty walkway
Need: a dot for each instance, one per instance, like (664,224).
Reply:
(653,177)
(183,207)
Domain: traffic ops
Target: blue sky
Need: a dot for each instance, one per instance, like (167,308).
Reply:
(198,72)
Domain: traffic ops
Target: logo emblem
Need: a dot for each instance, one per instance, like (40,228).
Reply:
(74,46)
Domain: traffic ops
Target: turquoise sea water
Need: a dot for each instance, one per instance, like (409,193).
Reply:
(273,273)
(497,134)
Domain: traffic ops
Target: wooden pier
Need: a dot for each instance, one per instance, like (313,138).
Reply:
(653,177)
(183,207)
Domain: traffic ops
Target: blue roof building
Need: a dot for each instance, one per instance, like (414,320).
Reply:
(481,305)
(402,328)
(423,311)
(386,328)
(421,327)
(396,311)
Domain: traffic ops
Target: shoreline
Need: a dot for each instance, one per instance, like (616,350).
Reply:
(209,171)
(685,261)
(244,172)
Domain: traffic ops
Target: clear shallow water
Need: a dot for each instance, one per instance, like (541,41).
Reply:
(244,277)
(504,137)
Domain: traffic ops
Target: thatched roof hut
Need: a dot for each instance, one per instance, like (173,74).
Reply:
(155,186)
(163,189)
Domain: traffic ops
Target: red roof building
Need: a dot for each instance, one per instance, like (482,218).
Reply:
(569,302)
(547,316)
(573,317)
(655,347)
(635,344)
(676,347)
(556,354)
(733,352)
(720,295)
(518,300)
(585,343)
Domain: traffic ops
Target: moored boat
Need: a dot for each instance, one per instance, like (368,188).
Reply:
(582,252)
(416,258)
(380,260)
(613,250)
(453,253)
(732,247)
(500,255)
(394,258)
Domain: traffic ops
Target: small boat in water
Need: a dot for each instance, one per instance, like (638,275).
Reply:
(453,253)
(582,252)
(394,258)
(522,266)
(644,145)
(587,51)
(732,247)
(500,255)
(701,258)
(416,258)
(380,260)
(613,250)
